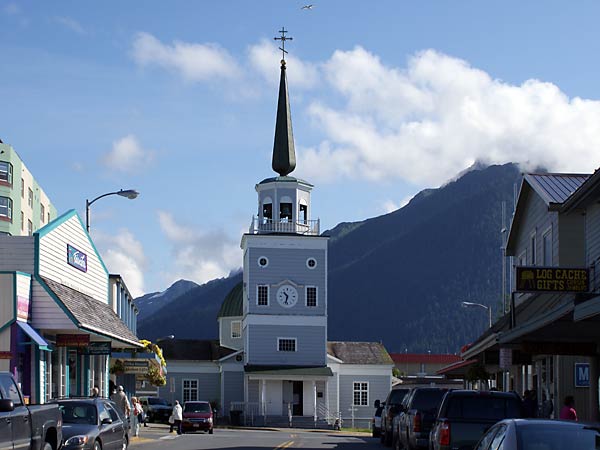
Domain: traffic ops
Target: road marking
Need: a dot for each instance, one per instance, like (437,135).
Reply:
(284,445)
(167,438)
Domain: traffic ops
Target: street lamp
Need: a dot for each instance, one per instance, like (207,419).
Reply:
(479,305)
(165,338)
(128,193)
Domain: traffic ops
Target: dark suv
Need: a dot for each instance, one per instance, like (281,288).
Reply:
(464,417)
(417,415)
(391,407)
(156,409)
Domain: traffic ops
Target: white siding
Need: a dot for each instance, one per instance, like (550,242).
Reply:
(7,299)
(23,285)
(17,253)
(53,260)
(46,313)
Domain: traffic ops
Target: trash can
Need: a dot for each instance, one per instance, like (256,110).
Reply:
(235,418)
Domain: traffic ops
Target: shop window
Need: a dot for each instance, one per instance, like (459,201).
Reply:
(236,329)
(6,173)
(285,212)
(6,208)
(360,393)
(190,390)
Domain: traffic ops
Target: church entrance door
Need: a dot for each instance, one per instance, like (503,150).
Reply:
(298,398)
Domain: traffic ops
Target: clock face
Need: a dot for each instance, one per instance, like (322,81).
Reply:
(287,296)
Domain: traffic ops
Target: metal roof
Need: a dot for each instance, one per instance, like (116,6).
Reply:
(555,187)
(232,305)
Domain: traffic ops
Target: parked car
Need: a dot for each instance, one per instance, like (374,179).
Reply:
(464,416)
(418,412)
(522,434)
(197,416)
(391,407)
(156,409)
(36,427)
(94,424)
(376,420)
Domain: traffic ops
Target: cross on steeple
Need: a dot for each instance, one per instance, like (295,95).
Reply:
(283,38)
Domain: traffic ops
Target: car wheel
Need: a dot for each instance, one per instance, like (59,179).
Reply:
(97,446)
(210,431)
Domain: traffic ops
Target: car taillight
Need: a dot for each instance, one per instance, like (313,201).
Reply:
(445,433)
(417,423)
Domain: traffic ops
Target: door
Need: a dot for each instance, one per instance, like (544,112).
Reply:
(298,398)
(19,419)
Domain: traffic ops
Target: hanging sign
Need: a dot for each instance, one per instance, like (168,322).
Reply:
(76,258)
(505,358)
(99,348)
(5,355)
(72,340)
(582,375)
(551,279)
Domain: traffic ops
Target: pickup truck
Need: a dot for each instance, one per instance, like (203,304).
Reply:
(417,415)
(24,427)
(464,416)
(391,407)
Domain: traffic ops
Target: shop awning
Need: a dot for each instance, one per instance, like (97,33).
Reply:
(33,335)
(320,371)
(457,369)
(546,326)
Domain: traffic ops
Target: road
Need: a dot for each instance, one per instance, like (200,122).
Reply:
(158,438)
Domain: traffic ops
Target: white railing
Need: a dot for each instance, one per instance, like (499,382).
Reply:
(333,418)
(250,410)
(261,225)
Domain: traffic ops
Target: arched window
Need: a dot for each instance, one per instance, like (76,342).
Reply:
(285,209)
(267,208)
(303,212)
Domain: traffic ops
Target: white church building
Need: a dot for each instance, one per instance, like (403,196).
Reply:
(272,360)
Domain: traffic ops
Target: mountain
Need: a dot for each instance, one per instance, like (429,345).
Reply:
(150,303)
(397,278)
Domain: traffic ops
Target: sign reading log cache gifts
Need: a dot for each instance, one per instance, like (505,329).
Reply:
(551,279)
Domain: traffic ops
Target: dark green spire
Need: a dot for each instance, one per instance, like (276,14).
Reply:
(284,154)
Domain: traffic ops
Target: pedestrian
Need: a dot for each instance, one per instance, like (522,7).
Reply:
(138,413)
(121,401)
(529,404)
(95,392)
(567,412)
(177,415)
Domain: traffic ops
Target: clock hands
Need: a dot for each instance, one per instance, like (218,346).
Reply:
(286,297)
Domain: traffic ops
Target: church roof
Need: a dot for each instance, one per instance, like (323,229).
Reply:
(232,305)
(194,350)
(284,180)
(359,352)
(284,154)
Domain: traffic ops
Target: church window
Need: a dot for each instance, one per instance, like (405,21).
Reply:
(190,390)
(263,261)
(262,297)
(303,214)
(311,296)
(311,263)
(236,329)
(286,344)
(285,212)
(360,395)
(267,211)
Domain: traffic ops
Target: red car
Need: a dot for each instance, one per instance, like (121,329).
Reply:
(197,416)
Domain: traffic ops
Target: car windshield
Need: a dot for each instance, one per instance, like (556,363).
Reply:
(78,412)
(428,400)
(397,395)
(550,437)
(483,408)
(157,401)
(196,408)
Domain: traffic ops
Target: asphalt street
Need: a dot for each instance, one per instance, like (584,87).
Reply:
(159,438)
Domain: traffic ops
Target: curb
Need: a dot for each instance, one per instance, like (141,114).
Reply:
(307,430)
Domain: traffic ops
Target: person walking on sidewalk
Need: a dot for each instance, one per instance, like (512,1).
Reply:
(177,415)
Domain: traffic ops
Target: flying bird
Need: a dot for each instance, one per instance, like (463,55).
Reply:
(308,7)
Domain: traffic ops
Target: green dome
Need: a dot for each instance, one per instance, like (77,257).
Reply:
(232,305)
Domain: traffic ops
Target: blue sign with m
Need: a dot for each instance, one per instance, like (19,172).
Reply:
(582,375)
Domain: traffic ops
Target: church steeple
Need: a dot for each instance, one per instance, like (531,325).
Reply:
(284,154)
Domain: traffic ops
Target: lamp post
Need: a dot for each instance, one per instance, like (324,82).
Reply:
(478,305)
(165,338)
(128,193)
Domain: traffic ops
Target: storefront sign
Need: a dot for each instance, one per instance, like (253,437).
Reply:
(135,366)
(76,258)
(5,355)
(505,358)
(551,279)
(99,348)
(582,375)
(72,340)
(23,308)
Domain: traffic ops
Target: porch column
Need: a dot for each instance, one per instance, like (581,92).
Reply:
(314,386)
(263,397)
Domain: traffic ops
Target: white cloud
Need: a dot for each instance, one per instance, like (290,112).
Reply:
(388,206)
(428,121)
(199,255)
(194,62)
(263,57)
(70,24)
(123,254)
(127,155)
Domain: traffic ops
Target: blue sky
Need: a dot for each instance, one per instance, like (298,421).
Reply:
(177,99)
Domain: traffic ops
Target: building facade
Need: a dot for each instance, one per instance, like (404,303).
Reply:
(24,206)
